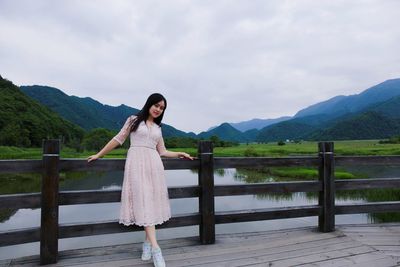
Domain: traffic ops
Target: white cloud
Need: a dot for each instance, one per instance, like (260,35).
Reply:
(215,61)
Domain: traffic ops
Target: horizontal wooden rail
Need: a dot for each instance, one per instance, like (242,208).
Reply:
(387,206)
(21,165)
(264,188)
(36,165)
(119,164)
(266,214)
(112,227)
(101,196)
(15,237)
(32,200)
(20,201)
(75,230)
(373,183)
(253,162)
(367,160)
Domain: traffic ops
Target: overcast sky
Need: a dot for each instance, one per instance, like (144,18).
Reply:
(214,61)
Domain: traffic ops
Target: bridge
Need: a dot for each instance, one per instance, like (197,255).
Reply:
(325,244)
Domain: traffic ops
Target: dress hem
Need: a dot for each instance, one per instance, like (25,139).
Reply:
(129,223)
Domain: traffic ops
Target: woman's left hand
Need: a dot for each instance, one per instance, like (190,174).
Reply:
(184,155)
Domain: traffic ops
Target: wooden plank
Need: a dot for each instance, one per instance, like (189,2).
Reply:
(106,196)
(241,255)
(376,227)
(266,214)
(280,248)
(119,164)
(174,257)
(181,164)
(388,247)
(19,201)
(49,201)
(206,198)
(264,243)
(360,260)
(318,257)
(21,165)
(367,160)
(277,187)
(273,235)
(109,227)
(97,165)
(14,237)
(33,200)
(357,184)
(254,162)
(380,242)
(368,207)
(173,247)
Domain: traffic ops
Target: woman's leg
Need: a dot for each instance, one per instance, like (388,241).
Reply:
(151,235)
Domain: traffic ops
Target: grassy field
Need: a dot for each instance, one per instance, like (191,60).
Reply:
(368,147)
(365,147)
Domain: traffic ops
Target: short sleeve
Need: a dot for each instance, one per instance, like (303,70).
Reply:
(161,147)
(125,131)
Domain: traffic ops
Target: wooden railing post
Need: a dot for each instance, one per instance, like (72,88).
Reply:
(49,202)
(326,199)
(206,198)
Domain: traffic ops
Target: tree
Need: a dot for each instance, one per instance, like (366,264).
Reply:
(97,138)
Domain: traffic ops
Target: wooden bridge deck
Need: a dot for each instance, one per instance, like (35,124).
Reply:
(350,245)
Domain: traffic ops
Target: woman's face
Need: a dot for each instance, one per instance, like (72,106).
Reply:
(157,109)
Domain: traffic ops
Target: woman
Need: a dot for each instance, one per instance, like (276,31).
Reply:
(144,197)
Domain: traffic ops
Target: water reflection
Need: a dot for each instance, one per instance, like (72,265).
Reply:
(31,182)
(264,175)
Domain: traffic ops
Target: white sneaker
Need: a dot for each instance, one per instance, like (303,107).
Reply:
(158,259)
(146,251)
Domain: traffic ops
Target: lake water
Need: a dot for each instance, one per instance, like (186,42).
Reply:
(25,218)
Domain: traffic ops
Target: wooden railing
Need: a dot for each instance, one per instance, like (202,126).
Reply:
(50,198)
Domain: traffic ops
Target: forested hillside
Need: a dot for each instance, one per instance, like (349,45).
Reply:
(25,122)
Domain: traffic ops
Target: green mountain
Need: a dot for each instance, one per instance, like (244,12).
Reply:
(371,114)
(390,108)
(380,120)
(256,123)
(365,125)
(340,105)
(333,119)
(169,131)
(25,122)
(285,130)
(226,132)
(85,112)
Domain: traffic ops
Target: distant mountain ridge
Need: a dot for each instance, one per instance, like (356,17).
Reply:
(256,123)
(224,131)
(83,111)
(375,114)
(340,105)
(87,112)
(378,105)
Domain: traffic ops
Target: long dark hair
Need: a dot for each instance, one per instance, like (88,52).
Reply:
(144,113)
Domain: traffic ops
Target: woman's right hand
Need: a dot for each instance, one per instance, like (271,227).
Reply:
(92,158)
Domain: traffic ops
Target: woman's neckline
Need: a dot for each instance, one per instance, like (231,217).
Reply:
(150,124)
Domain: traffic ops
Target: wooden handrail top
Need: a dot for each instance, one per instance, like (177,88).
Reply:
(36,165)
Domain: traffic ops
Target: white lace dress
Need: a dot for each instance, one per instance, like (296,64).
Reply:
(144,197)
